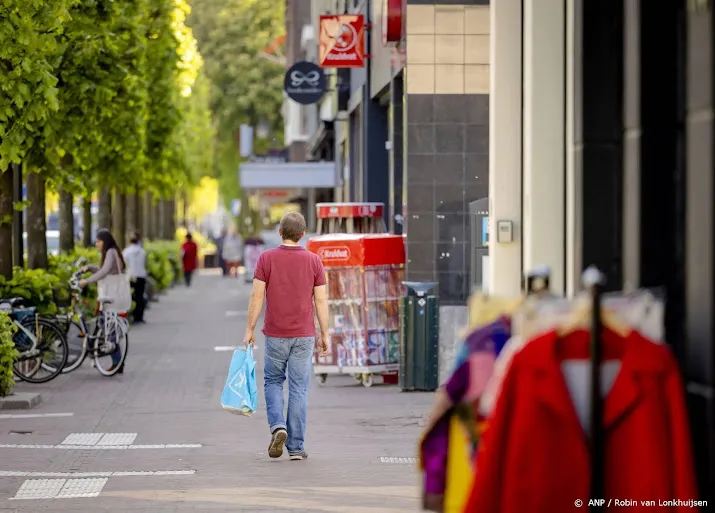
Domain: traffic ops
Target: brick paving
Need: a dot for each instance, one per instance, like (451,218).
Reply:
(170,395)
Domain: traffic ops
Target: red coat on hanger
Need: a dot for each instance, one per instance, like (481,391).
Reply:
(534,455)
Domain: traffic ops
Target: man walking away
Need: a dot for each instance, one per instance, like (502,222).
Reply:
(189,258)
(135,257)
(290,278)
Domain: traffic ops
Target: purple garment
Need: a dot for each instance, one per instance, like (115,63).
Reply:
(491,337)
(435,445)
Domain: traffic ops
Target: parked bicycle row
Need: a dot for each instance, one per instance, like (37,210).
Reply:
(52,345)
(78,327)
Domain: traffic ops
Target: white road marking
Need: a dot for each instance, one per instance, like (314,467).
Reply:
(83,439)
(140,473)
(99,447)
(220,349)
(35,415)
(234,313)
(60,488)
(117,439)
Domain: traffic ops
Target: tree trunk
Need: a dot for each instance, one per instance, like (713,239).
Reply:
(6,211)
(146,217)
(185,210)
(36,222)
(156,218)
(66,221)
(87,235)
(169,219)
(104,216)
(132,215)
(119,219)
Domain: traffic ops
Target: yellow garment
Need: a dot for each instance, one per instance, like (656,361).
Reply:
(485,309)
(459,467)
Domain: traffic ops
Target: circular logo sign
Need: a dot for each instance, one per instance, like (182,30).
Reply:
(305,83)
(345,38)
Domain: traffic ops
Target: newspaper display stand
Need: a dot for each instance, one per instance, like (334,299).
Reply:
(351,218)
(365,274)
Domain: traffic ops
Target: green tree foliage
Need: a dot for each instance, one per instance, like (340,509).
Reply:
(101,93)
(246,88)
(29,31)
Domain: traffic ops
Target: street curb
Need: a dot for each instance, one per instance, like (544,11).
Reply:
(20,401)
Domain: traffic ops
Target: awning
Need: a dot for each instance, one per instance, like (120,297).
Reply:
(288,175)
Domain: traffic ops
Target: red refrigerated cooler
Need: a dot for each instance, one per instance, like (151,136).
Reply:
(365,274)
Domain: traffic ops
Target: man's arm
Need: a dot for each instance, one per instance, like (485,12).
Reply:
(255,305)
(320,295)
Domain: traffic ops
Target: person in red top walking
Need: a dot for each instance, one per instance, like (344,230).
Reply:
(290,278)
(189,258)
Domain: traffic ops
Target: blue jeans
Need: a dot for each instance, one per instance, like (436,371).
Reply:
(294,355)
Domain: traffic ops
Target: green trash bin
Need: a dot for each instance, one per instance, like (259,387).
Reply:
(419,337)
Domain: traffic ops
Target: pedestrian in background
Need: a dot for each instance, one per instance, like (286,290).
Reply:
(189,258)
(232,252)
(135,257)
(219,251)
(290,278)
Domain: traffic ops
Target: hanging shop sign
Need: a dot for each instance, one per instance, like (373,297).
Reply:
(305,83)
(342,41)
(392,20)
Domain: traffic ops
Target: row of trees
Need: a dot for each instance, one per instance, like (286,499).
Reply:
(103,98)
(131,103)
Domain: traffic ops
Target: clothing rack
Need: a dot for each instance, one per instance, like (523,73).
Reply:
(593,281)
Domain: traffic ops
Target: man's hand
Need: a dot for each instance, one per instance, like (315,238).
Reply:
(82,283)
(248,338)
(323,344)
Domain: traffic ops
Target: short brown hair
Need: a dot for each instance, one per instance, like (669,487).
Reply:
(292,226)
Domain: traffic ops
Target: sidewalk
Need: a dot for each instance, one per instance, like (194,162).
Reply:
(193,456)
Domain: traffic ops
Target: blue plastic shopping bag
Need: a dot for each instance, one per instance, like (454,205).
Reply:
(240,394)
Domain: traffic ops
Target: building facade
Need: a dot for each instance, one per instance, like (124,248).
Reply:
(602,154)
(577,133)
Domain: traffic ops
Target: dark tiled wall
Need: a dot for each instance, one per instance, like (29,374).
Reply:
(397,154)
(447,168)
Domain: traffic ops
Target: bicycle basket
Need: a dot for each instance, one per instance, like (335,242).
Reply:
(20,313)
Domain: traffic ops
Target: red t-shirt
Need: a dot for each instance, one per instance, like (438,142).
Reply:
(290,273)
(190,256)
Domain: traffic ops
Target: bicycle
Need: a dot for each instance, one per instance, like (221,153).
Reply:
(38,340)
(99,344)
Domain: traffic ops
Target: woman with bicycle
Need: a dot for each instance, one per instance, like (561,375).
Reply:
(111,264)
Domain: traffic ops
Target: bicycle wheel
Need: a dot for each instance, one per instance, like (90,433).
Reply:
(77,348)
(52,344)
(111,346)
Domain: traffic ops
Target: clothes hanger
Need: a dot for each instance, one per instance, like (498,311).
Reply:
(580,319)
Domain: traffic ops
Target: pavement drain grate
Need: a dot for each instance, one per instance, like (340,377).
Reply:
(20,433)
(398,461)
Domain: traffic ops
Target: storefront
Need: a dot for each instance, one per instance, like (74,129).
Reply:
(611,108)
